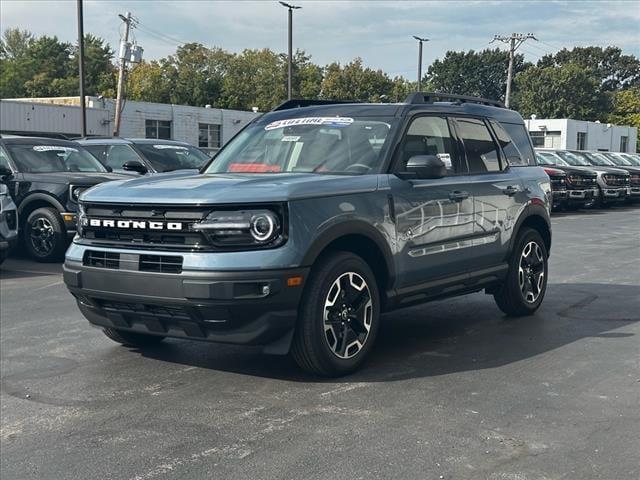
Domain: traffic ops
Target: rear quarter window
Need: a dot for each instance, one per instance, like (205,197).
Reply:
(522,142)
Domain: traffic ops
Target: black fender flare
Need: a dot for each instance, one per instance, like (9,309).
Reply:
(531,210)
(39,196)
(351,227)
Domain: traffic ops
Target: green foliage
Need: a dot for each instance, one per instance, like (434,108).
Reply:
(480,74)
(614,70)
(355,82)
(568,91)
(626,110)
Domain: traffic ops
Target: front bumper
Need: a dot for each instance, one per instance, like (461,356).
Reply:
(582,196)
(614,193)
(633,192)
(244,307)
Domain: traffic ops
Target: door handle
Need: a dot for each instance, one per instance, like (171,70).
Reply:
(458,196)
(511,190)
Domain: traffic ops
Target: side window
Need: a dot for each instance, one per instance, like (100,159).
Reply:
(482,154)
(520,137)
(98,151)
(430,136)
(514,157)
(118,155)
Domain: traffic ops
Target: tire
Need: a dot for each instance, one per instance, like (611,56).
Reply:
(522,294)
(333,340)
(132,339)
(44,235)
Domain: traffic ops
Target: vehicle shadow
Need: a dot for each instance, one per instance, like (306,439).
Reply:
(440,338)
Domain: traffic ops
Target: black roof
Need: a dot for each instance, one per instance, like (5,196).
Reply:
(38,141)
(415,102)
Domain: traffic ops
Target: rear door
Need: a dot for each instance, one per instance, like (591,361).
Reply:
(497,189)
(434,218)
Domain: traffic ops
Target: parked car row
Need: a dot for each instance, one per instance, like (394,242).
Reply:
(581,179)
(42,178)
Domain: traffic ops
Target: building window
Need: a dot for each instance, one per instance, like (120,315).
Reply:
(581,141)
(537,138)
(209,135)
(157,129)
(624,142)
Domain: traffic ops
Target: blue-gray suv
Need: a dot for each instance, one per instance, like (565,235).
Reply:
(313,220)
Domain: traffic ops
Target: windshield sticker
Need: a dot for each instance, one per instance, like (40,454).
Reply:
(254,168)
(49,148)
(170,147)
(328,121)
(290,138)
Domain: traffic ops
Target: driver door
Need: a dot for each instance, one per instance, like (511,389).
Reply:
(434,217)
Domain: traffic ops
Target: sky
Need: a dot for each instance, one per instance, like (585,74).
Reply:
(380,32)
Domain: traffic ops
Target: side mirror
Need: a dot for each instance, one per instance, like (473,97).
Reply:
(135,166)
(5,171)
(424,167)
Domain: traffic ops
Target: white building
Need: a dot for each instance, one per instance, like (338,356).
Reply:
(208,128)
(567,134)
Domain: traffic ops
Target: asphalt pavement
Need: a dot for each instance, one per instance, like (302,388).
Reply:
(453,390)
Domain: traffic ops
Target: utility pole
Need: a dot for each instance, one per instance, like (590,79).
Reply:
(514,41)
(83,107)
(420,40)
(124,56)
(290,66)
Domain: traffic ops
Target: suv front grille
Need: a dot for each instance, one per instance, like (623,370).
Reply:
(616,180)
(136,235)
(582,181)
(141,263)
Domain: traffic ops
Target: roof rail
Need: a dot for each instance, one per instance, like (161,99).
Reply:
(431,97)
(299,103)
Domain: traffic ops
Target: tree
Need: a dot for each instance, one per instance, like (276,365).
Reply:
(149,82)
(15,43)
(100,73)
(626,110)
(479,74)
(613,69)
(355,82)
(568,91)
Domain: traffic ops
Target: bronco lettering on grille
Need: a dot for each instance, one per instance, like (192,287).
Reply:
(135,224)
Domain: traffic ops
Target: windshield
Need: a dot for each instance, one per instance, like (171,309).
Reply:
(329,145)
(577,160)
(634,159)
(53,158)
(618,159)
(166,157)
(549,158)
(598,159)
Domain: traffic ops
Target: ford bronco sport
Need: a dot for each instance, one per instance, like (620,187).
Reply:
(312,221)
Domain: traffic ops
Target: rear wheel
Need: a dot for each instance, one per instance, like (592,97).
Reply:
(132,339)
(44,235)
(338,317)
(526,282)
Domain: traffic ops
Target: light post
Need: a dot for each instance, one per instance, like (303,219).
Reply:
(420,40)
(83,110)
(291,8)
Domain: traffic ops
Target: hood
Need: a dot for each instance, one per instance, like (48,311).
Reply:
(194,189)
(613,170)
(629,169)
(585,171)
(73,178)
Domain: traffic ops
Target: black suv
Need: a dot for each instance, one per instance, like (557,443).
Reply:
(580,188)
(44,177)
(312,221)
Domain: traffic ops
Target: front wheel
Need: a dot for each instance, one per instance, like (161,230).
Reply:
(44,235)
(338,317)
(526,282)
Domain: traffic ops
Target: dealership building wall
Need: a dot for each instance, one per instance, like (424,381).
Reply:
(581,135)
(209,128)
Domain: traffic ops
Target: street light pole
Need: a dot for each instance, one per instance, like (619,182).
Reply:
(83,107)
(420,40)
(291,8)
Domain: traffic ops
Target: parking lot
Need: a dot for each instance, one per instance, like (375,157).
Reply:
(453,389)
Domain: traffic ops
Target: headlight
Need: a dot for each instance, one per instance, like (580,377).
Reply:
(75,191)
(238,228)
(82,219)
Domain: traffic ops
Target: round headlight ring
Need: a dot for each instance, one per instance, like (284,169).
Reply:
(263,226)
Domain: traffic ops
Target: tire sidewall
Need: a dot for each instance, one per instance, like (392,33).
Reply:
(314,308)
(59,246)
(527,236)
